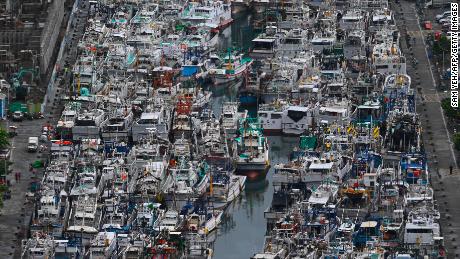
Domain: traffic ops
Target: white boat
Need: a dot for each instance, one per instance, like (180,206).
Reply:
(271,117)
(324,194)
(103,245)
(230,117)
(233,68)
(296,119)
(421,230)
(87,124)
(149,214)
(251,149)
(204,222)
(387,58)
(217,13)
(156,121)
(39,246)
(171,221)
(118,124)
(225,188)
(352,19)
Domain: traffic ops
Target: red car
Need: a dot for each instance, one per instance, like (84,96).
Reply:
(427,25)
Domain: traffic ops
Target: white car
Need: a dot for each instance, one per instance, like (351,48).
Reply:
(18,116)
(443,15)
(5,154)
(444,20)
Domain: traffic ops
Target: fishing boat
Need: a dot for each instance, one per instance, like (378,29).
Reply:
(232,69)
(155,120)
(216,13)
(171,221)
(251,148)
(87,124)
(355,193)
(204,220)
(103,245)
(225,187)
(413,167)
(230,117)
(271,117)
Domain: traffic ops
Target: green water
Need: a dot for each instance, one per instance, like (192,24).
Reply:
(239,37)
(241,233)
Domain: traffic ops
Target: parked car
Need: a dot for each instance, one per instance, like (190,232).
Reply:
(445,27)
(18,116)
(5,153)
(444,20)
(427,25)
(443,15)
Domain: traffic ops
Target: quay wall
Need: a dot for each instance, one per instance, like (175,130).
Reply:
(50,33)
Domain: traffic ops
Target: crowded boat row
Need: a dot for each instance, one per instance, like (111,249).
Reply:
(142,164)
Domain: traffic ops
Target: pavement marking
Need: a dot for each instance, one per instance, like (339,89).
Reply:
(434,83)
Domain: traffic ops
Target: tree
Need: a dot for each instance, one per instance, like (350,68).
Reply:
(449,111)
(442,45)
(457,141)
(4,138)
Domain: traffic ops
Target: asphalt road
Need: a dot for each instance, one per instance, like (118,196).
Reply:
(13,223)
(436,138)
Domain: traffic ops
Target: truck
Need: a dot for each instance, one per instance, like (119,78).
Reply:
(32,146)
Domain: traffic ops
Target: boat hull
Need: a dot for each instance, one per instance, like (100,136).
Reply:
(221,79)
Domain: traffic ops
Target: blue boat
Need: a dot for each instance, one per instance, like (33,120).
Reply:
(414,167)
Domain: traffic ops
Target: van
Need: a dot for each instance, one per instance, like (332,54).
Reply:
(32,145)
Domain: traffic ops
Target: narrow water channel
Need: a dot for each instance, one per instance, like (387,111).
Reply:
(242,231)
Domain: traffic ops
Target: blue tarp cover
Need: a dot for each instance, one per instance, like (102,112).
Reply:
(189,70)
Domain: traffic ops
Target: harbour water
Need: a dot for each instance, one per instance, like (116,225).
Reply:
(241,233)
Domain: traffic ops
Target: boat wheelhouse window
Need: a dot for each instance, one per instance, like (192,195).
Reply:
(292,41)
(275,116)
(147,121)
(329,113)
(381,21)
(381,67)
(202,11)
(296,115)
(265,45)
(419,231)
(367,113)
(354,40)
(321,42)
(351,19)
(115,127)
(85,122)
(263,115)
(228,115)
